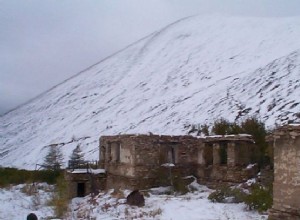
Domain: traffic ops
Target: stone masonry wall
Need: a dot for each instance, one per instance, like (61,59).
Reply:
(92,183)
(139,161)
(147,154)
(228,161)
(286,187)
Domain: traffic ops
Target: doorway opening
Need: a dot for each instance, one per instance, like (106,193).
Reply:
(80,189)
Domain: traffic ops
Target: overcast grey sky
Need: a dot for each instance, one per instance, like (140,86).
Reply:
(43,42)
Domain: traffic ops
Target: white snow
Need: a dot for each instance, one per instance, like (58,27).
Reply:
(164,207)
(168,165)
(94,171)
(97,171)
(295,125)
(193,71)
(250,166)
(16,205)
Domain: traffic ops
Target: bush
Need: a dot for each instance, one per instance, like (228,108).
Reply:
(60,198)
(217,196)
(251,126)
(258,131)
(224,127)
(16,176)
(260,198)
(227,194)
(198,129)
(48,176)
(179,185)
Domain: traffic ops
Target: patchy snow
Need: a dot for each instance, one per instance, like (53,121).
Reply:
(295,125)
(250,166)
(94,171)
(164,207)
(97,171)
(245,135)
(168,165)
(214,136)
(16,205)
(112,205)
(195,70)
(251,181)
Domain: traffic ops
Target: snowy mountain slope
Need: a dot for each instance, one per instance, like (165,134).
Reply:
(193,71)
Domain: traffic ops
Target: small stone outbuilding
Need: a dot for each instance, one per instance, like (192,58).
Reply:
(82,182)
(286,186)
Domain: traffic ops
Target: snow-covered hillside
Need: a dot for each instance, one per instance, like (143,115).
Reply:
(193,71)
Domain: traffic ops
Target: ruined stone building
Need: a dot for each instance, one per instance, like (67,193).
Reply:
(286,186)
(144,161)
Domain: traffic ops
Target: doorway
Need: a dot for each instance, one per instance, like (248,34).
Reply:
(80,189)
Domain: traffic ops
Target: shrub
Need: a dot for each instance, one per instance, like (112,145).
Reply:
(217,196)
(260,198)
(258,131)
(48,176)
(198,129)
(155,212)
(36,201)
(224,127)
(252,126)
(179,185)
(16,176)
(28,189)
(60,198)
(227,194)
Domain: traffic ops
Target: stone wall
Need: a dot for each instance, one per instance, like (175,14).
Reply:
(117,155)
(286,186)
(141,161)
(92,183)
(225,160)
(145,155)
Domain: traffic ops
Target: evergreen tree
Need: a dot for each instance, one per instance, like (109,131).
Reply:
(54,158)
(224,127)
(258,131)
(77,156)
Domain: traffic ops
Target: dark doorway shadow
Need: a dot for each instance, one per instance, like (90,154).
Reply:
(80,189)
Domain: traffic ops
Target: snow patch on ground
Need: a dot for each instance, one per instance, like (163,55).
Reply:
(193,205)
(110,205)
(16,205)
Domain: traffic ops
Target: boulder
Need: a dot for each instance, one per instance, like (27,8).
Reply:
(135,198)
(32,216)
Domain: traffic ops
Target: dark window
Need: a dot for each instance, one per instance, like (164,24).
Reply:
(172,155)
(118,149)
(223,154)
(208,154)
(115,151)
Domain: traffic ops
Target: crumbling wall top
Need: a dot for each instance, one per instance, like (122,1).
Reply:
(150,135)
(235,137)
(178,138)
(291,130)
